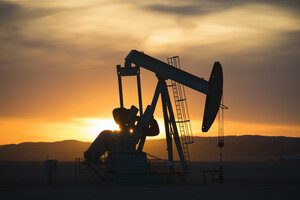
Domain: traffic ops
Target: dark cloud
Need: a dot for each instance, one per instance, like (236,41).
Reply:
(11,13)
(201,7)
(14,18)
(8,11)
(173,9)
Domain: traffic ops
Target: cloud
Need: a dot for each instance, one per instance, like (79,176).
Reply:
(12,13)
(176,9)
(203,7)
(15,32)
(55,57)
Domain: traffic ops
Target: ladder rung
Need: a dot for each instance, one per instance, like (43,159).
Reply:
(188,142)
(180,100)
(184,121)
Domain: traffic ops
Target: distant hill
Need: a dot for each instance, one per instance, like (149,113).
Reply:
(65,150)
(237,148)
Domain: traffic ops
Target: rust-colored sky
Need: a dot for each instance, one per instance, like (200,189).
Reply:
(57,63)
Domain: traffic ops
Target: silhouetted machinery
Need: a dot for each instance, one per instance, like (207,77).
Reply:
(118,155)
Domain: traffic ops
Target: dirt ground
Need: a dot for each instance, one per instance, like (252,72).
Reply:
(276,180)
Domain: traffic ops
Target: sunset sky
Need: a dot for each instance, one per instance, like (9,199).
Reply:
(57,63)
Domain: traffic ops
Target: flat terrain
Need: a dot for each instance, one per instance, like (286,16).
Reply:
(277,180)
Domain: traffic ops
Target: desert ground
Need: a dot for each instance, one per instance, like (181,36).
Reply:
(243,180)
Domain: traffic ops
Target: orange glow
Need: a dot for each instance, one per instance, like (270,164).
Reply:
(59,82)
(92,127)
(87,129)
(24,130)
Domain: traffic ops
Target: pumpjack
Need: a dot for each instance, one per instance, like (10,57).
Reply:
(118,155)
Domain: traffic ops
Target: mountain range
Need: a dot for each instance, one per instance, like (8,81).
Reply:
(237,148)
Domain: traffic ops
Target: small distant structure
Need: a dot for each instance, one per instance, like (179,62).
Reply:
(50,169)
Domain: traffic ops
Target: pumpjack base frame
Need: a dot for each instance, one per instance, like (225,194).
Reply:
(144,178)
(134,167)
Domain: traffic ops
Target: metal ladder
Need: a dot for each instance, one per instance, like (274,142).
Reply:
(183,118)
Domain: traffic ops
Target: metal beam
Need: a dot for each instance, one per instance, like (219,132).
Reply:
(166,71)
(165,93)
(139,91)
(120,85)
(149,113)
(167,129)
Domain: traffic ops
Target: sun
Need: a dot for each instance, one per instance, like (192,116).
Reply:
(94,126)
(87,129)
